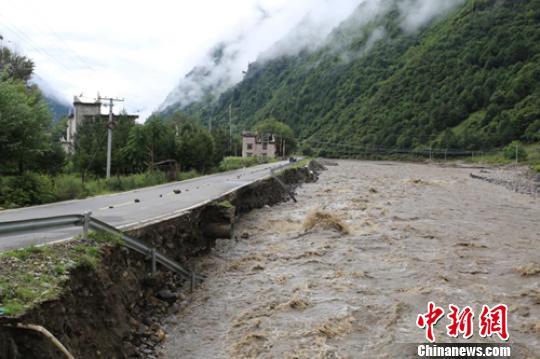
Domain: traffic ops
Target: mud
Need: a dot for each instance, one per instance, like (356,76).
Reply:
(418,233)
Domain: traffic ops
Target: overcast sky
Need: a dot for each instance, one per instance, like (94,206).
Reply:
(139,50)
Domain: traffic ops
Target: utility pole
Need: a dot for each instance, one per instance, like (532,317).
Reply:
(110,126)
(230,129)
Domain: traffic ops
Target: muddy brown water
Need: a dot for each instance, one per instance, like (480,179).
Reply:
(419,233)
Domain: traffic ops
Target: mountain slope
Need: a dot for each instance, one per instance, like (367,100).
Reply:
(470,79)
(58,109)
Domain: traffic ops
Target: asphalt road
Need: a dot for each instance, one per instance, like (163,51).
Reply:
(124,212)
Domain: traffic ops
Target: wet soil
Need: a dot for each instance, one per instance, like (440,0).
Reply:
(418,233)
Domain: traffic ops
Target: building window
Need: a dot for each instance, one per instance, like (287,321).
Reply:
(265,146)
(250,146)
(249,154)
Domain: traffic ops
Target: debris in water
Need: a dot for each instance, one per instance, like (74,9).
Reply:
(297,303)
(281,279)
(529,270)
(336,327)
(326,221)
(257,267)
(238,264)
(471,245)
(250,346)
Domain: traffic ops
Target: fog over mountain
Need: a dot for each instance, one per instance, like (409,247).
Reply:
(299,26)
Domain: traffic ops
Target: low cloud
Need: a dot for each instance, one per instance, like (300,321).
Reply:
(417,13)
(299,26)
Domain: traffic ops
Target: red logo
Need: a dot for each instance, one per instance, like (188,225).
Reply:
(429,320)
(494,321)
(461,322)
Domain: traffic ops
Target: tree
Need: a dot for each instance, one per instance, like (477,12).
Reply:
(221,144)
(15,66)
(195,146)
(135,151)
(25,122)
(120,163)
(90,147)
(283,133)
(149,143)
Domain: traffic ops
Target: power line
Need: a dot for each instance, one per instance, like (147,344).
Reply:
(67,47)
(24,38)
(365,150)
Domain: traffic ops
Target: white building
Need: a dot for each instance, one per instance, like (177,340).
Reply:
(84,111)
(254,145)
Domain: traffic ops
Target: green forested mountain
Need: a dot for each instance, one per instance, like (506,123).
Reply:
(57,108)
(469,79)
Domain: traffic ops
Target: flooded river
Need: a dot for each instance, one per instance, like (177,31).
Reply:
(418,233)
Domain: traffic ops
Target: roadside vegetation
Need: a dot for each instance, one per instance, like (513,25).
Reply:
(528,154)
(234,163)
(36,169)
(32,275)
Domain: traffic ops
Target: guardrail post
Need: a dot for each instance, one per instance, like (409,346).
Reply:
(153,254)
(86,224)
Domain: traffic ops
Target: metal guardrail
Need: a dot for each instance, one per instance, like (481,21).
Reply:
(88,222)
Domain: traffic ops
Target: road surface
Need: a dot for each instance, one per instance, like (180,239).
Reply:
(123,211)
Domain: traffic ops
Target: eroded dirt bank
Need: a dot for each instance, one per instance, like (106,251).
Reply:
(114,309)
(419,233)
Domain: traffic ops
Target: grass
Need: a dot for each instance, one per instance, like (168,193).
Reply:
(225,204)
(498,158)
(41,189)
(302,163)
(234,163)
(32,275)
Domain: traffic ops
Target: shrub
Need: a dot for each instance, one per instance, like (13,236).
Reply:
(509,152)
(68,187)
(182,176)
(27,189)
(126,183)
(234,163)
(307,151)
